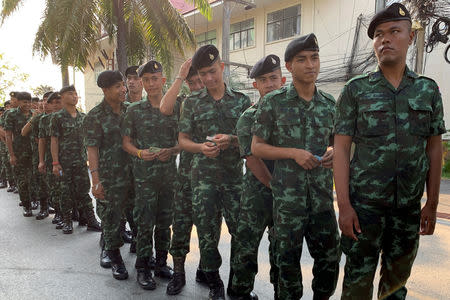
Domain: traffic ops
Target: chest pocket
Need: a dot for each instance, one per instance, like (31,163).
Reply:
(230,118)
(206,123)
(69,129)
(374,119)
(289,131)
(419,117)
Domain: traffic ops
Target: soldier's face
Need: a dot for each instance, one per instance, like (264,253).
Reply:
(14,102)
(212,76)
(304,66)
(116,92)
(391,41)
(69,98)
(134,84)
(194,83)
(269,82)
(153,83)
(25,105)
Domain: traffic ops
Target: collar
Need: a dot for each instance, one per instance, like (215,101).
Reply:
(377,75)
(106,107)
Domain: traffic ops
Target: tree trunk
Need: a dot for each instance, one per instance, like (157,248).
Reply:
(65,75)
(121,51)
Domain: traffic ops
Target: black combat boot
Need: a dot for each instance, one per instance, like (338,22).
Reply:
(11,187)
(16,190)
(34,204)
(82,219)
(27,212)
(92,223)
(126,235)
(179,276)
(216,288)
(234,296)
(119,270)
(105,260)
(161,268)
(56,219)
(67,221)
(144,274)
(43,213)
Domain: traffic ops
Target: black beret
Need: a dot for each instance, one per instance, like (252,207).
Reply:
(13,94)
(151,67)
(304,43)
(23,96)
(109,78)
(46,95)
(53,96)
(192,72)
(394,12)
(69,88)
(205,56)
(132,70)
(265,65)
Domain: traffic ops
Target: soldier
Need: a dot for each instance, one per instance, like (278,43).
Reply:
(294,127)
(208,129)
(182,208)
(150,137)
(109,164)
(3,152)
(69,161)
(19,148)
(395,119)
(9,105)
(256,199)
(134,85)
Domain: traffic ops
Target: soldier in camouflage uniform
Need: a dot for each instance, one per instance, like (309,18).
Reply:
(19,148)
(3,152)
(9,106)
(256,200)
(69,161)
(208,129)
(150,137)
(182,208)
(294,127)
(395,119)
(109,164)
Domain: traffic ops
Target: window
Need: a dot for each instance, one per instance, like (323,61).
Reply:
(206,38)
(283,23)
(242,34)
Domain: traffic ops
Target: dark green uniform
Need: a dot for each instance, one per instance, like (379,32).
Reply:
(216,182)
(303,199)
(3,155)
(255,216)
(153,180)
(102,127)
(6,164)
(390,128)
(74,182)
(14,122)
(39,185)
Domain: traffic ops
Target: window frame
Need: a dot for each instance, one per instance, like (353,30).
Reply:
(297,18)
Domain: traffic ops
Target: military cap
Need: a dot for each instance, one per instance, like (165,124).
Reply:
(192,72)
(35,99)
(46,95)
(265,65)
(304,43)
(13,94)
(53,96)
(69,88)
(23,96)
(394,12)
(151,67)
(132,70)
(205,56)
(108,78)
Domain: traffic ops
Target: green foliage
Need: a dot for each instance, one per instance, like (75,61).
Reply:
(9,76)
(40,90)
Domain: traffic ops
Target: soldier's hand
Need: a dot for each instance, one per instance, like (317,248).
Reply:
(427,220)
(348,222)
(41,168)
(164,155)
(327,159)
(98,191)
(305,159)
(57,170)
(184,69)
(223,141)
(147,155)
(13,160)
(210,150)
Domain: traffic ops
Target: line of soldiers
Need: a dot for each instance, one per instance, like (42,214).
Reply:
(290,140)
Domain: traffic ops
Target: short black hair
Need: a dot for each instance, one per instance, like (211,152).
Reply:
(46,95)
(53,96)
(7,103)
(69,88)
(23,96)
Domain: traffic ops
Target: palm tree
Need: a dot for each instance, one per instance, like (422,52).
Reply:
(70,29)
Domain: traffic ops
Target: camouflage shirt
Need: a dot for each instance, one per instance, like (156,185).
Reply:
(69,132)
(184,168)
(15,120)
(102,127)
(44,133)
(390,128)
(283,119)
(203,116)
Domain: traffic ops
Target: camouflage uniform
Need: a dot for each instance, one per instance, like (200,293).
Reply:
(390,128)
(254,216)
(216,182)
(153,180)
(3,155)
(303,199)
(6,164)
(38,180)
(14,122)
(74,182)
(102,127)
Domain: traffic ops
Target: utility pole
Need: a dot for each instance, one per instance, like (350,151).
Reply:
(420,48)
(226,39)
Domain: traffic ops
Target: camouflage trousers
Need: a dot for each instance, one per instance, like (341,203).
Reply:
(255,216)
(39,189)
(22,170)
(153,210)
(53,187)
(74,187)
(3,157)
(128,214)
(111,210)
(393,232)
(8,169)
(210,201)
(320,231)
